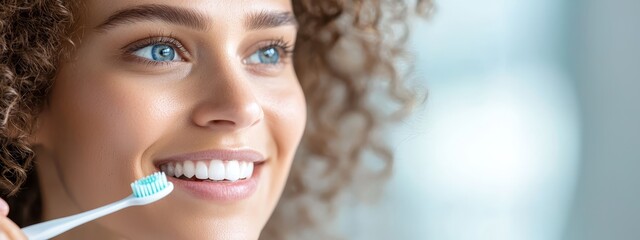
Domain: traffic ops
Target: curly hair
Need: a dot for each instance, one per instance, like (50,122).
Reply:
(346,52)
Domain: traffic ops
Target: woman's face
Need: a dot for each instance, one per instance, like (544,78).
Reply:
(201,89)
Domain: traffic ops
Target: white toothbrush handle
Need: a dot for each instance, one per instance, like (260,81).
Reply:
(49,229)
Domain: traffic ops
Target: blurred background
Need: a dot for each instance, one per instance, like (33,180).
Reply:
(531,130)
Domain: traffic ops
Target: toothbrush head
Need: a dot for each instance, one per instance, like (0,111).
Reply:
(151,188)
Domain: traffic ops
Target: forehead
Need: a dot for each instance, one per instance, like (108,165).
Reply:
(217,11)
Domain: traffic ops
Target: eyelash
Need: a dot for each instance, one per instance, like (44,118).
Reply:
(152,40)
(285,47)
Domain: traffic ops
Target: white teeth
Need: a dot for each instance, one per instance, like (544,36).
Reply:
(170,170)
(249,172)
(216,170)
(188,169)
(243,168)
(201,170)
(178,170)
(232,170)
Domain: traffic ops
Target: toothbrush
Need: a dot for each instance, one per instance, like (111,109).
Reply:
(146,190)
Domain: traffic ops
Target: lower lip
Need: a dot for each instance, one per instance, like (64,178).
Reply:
(223,191)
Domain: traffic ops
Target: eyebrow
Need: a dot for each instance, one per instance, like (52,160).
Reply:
(192,19)
(269,19)
(146,12)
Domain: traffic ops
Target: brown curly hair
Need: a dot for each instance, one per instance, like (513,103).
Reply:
(346,52)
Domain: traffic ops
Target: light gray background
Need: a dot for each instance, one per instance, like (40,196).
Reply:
(531,130)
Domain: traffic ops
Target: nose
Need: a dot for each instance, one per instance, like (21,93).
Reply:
(229,105)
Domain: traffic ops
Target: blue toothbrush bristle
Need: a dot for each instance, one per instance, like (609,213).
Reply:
(149,185)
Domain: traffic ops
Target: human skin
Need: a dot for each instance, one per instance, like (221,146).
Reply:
(8,229)
(113,113)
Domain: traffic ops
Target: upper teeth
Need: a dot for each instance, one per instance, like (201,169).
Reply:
(217,170)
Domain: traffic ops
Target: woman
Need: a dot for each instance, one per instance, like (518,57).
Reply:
(96,94)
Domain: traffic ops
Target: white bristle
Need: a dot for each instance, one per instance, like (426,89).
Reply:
(149,185)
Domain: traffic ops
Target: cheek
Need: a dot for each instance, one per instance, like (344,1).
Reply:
(285,112)
(291,117)
(285,117)
(100,127)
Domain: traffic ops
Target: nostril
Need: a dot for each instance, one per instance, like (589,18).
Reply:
(223,122)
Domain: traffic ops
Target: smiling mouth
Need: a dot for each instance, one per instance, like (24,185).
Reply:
(210,170)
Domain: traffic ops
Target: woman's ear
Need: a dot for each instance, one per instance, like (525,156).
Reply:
(39,133)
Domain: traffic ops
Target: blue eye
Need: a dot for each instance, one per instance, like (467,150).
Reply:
(269,55)
(158,53)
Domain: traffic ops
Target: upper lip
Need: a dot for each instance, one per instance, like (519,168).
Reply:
(248,155)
